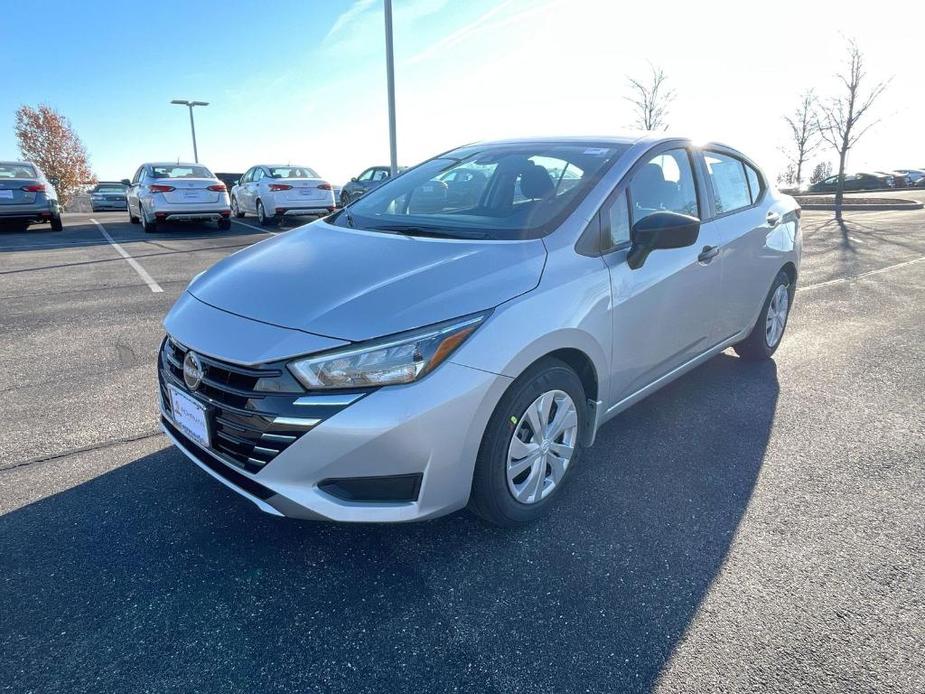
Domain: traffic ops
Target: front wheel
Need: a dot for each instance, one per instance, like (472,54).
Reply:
(530,445)
(132,218)
(344,199)
(765,337)
(236,209)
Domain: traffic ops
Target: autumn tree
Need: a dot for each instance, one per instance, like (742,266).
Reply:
(650,99)
(47,139)
(804,134)
(844,119)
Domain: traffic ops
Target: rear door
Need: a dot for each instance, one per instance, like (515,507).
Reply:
(741,218)
(664,312)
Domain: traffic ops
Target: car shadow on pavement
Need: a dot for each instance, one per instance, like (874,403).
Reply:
(81,232)
(154,577)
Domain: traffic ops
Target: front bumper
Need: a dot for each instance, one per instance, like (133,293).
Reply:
(423,436)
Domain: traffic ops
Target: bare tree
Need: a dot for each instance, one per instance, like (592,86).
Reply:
(804,134)
(651,99)
(47,138)
(821,171)
(839,117)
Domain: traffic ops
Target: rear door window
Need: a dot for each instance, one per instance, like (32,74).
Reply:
(755,186)
(727,178)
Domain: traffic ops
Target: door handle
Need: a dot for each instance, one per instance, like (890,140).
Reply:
(707,254)
(773,218)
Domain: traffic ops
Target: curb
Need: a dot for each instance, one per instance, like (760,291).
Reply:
(908,205)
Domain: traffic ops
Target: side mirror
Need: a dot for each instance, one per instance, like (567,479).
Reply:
(659,231)
(126,182)
(53,180)
(353,180)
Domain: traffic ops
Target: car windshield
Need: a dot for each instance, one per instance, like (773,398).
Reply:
(110,188)
(16,171)
(508,191)
(292,172)
(179,171)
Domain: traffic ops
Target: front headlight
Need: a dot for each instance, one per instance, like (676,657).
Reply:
(400,359)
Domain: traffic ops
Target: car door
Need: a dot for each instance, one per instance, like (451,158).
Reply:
(241,191)
(664,312)
(131,196)
(253,189)
(744,219)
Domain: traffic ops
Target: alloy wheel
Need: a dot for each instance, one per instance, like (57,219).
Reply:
(542,446)
(777,315)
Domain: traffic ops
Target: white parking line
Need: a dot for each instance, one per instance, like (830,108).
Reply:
(152,285)
(862,275)
(260,229)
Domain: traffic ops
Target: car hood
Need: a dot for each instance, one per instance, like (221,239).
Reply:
(355,285)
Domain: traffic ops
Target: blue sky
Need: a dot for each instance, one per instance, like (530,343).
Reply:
(303,80)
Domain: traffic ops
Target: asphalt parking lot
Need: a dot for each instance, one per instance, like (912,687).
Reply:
(752,526)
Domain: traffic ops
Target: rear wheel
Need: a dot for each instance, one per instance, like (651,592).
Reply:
(150,226)
(224,224)
(56,223)
(766,335)
(262,217)
(530,445)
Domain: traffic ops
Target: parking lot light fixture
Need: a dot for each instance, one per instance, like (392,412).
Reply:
(390,78)
(192,124)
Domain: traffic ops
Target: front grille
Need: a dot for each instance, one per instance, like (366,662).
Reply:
(244,405)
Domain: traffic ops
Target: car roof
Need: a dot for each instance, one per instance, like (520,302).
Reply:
(173,163)
(17,163)
(285,166)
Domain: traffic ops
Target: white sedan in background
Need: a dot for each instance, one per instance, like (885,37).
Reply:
(274,192)
(176,192)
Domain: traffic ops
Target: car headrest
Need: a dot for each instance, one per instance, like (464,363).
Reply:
(535,181)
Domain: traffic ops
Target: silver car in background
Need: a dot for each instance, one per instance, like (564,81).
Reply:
(422,350)
(176,192)
(27,196)
(108,195)
(274,192)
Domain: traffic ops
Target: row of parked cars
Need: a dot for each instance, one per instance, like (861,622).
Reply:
(168,191)
(876,180)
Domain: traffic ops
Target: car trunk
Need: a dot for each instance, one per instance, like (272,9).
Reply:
(12,193)
(304,191)
(190,191)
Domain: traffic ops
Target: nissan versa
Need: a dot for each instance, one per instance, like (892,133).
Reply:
(422,350)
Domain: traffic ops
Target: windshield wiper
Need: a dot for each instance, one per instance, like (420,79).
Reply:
(409,230)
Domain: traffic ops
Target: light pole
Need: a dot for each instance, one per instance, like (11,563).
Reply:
(192,125)
(390,74)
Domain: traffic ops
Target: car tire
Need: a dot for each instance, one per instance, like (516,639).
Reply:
(768,331)
(492,496)
(262,217)
(150,227)
(224,224)
(235,210)
(344,199)
(56,223)
(132,218)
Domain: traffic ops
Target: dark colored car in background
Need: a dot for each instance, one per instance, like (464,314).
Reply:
(108,195)
(365,182)
(859,181)
(229,179)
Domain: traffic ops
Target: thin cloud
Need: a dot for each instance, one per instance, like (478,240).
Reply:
(357,10)
(479,25)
